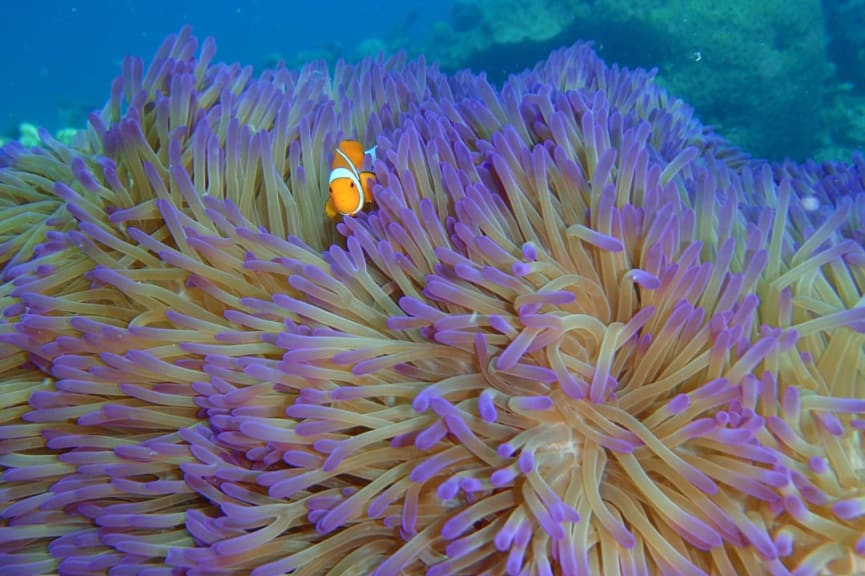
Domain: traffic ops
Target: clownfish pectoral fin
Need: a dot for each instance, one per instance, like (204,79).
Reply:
(367,179)
(330,210)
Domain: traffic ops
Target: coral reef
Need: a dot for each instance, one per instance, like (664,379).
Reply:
(28,135)
(844,20)
(760,70)
(579,334)
(503,37)
(755,70)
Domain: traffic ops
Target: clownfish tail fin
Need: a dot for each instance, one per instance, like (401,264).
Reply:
(371,152)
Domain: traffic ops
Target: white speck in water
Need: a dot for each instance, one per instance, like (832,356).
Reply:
(810,203)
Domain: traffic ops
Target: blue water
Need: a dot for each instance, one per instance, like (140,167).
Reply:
(779,81)
(60,57)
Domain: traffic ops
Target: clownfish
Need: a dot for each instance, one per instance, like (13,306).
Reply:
(349,185)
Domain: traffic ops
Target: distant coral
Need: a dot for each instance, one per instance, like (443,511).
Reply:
(30,135)
(846,24)
(755,69)
(503,36)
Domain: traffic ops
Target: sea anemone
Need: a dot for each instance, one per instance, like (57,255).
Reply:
(577,334)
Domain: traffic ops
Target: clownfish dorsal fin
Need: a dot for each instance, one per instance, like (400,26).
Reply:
(351,152)
(343,165)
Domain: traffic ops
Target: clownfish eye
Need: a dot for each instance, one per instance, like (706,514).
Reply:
(330,189)
(351,184)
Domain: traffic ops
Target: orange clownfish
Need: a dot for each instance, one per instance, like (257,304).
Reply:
(350,186)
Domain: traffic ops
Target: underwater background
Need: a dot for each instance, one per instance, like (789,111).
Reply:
(781,79)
